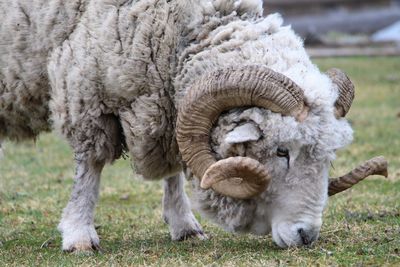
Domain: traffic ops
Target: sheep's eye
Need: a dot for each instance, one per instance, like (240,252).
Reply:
(282,152)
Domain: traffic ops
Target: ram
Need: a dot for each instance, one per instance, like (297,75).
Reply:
(207,88)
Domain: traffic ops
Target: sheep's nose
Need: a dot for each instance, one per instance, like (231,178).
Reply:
(307,237)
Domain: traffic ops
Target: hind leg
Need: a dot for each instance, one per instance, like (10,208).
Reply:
(177,212)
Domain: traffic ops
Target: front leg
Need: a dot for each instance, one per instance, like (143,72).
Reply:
(177,212)
(77,223)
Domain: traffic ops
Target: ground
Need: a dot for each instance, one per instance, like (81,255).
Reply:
(361,226)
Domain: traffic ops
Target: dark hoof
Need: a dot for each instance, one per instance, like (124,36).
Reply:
(192,234)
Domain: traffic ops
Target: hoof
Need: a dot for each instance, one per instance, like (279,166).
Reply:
(185,227)
(83,248)
(192,234)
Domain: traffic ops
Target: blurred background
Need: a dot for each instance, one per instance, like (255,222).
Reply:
(343,27)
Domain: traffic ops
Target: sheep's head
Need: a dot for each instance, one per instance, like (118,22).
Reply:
(271,159)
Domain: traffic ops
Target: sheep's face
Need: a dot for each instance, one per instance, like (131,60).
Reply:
(297,155)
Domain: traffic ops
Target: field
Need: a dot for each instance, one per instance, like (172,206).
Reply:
(361,226)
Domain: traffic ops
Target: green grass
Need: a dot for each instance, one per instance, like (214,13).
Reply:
(361,226)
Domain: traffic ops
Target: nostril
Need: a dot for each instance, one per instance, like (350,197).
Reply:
(304,237)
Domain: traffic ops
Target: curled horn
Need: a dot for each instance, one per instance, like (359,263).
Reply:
(219,91)
(346,91)
(375,166)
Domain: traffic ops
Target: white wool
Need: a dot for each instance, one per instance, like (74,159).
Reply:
(244,133)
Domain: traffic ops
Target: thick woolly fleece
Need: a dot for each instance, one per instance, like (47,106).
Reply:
(109,74)
(91,68)
(29,31)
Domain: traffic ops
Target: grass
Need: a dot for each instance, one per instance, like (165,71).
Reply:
(361,226)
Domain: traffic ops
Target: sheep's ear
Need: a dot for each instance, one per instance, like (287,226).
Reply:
(243,133)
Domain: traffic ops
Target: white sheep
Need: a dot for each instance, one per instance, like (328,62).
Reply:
(141,75)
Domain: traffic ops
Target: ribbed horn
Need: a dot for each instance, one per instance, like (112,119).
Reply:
(220,91)
(346,91)
(375,166)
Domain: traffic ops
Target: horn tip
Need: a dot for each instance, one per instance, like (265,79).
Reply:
(303,114)
(383,163)
(205,183)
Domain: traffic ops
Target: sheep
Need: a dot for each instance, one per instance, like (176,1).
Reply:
(152,77)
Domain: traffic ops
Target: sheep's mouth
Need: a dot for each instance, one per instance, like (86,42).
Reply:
(374,166)
(280,241)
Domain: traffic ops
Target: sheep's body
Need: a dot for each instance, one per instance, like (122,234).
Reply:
(87,57)
(110,74)
(89,63)
(119,56)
